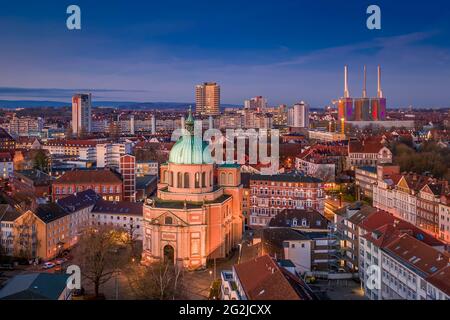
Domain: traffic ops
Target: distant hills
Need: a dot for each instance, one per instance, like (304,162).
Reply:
(12,104)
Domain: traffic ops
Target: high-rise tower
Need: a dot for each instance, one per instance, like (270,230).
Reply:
(207,98)
(81,113)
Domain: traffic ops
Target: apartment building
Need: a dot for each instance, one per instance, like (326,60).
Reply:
(104,182)
(417,257)
(8,216)
(322,161)
(124,215)
(26,126)
(84,149)
(404,267)
(270,194)
(367,152)
(444,219)
(108,154)
(346,226)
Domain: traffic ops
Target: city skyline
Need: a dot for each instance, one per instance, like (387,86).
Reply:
(148,52)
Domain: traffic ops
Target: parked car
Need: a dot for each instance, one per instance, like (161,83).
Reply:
(48,265)
(60,261)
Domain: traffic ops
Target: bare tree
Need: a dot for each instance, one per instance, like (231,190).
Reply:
(132,238)
(100,253)
(158,281)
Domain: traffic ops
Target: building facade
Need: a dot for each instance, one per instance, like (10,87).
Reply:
(104,182)
(81,113)
(127,169)
(193,218)
(207,98)
(270,194)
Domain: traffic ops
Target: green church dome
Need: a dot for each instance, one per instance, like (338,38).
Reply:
(190,149)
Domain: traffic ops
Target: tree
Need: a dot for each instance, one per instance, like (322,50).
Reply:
(41,161)
(158,281)
(100,253)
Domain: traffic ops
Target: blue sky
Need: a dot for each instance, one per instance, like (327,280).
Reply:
(284,50)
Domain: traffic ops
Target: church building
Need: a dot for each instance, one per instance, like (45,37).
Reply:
(197,213)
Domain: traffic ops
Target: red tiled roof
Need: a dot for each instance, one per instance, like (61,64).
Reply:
(417,254)
(376,220)
(441,280)
(385,225)
(89,176)
(262,279)
(367,146)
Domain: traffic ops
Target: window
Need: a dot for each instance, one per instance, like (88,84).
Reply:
(197,180)
(186,180)
(203,179)
(179,180)
(168,220)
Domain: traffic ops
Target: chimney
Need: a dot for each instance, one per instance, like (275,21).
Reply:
(379,91)
(346,93)
(364,93)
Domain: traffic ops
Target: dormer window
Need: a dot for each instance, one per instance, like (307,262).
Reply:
(294,222)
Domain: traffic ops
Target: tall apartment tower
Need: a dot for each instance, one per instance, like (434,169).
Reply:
(81,113)
(207,98)
(298,115)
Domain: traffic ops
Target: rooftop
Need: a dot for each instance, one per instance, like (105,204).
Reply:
(8,213)
(118,207)
(142,182)
(34,286)
(170,204)
(287,217)
(263,279)
(286,177)
(50,212)
(37,176)
(417,254)
(94,176)
(78,201)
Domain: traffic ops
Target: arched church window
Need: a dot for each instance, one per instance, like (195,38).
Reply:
(222,178)
(197,180)
(186,180)
(203,179)
(171,179)
(179,180)
(230,178)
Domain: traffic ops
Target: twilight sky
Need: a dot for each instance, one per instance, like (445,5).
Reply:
(284,50)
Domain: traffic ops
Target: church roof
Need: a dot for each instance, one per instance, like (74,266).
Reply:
(190,149)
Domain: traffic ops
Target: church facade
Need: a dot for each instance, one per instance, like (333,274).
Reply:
(197,213)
